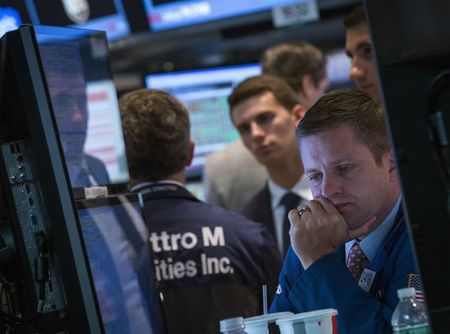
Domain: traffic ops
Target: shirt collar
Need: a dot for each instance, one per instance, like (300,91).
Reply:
(301,188)
(142,185)
(371,243)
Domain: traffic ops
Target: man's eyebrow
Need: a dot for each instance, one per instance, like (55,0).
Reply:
(311,170)
(359,46)
(364,44)
(336,162)
(241,125)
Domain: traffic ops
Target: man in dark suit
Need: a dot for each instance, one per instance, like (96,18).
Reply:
(210,263)
(265,111)
(350,248)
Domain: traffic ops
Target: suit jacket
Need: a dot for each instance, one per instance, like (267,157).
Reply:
(232,176)
(328,283)
(259,209)
(210,263)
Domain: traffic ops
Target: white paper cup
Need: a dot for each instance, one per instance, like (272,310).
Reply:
(260,323)
(314,322)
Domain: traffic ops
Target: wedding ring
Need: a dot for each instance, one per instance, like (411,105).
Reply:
(302,208)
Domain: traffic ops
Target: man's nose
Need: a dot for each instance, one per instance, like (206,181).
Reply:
(356,70)
(256,130)
(330,186)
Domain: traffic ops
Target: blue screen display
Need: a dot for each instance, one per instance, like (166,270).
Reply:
(168,14)
(116,241)
(84,102)
(204,93)
(108,16)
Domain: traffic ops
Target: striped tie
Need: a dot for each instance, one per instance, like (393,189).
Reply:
(357,261)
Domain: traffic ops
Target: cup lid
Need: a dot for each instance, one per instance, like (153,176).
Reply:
(308,316)
(266,318)
(231,324)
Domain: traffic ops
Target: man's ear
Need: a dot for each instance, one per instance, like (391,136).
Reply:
(307,91)
(392,166)
(307,85)
(191,154)
(298,111)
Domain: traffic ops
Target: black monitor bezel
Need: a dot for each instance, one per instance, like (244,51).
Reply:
(38,125)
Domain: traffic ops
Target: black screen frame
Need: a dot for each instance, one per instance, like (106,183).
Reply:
(408,63)
(27,115)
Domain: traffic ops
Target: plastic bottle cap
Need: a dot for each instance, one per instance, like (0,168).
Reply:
(231,324)
(406,292)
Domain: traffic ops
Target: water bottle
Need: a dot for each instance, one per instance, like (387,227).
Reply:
(410,316)
(232,326)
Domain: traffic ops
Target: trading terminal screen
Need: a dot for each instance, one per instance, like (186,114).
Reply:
(204,93)
(116,241)
(168,14)
(84,102)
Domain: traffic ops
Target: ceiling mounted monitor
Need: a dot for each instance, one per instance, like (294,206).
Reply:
(105,15)
(169,14)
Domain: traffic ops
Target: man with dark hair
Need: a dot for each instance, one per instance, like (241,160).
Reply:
(350,248)
(358,46)
(265,110)
(301,65)
(233,176)
(210,263)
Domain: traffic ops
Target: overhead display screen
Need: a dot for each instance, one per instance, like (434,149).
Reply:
(104,15)
(204,93)
(169,14)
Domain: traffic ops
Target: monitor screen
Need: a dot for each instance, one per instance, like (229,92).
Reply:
(196,187)
(168,14)
(104,15)
(338,66)
(204,93)
(116,241)
(84,101)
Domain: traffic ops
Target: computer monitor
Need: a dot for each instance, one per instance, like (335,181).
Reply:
(117,18)
(105,15)
(204,92)
(413,67)
(338,69)
(84,101)
(197,188)
(49,284)
(169,14)
(116,241)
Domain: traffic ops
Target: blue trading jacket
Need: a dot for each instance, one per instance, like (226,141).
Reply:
(329,284)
